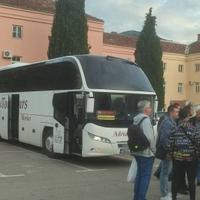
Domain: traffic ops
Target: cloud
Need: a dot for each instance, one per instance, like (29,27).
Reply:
(176,20)
(179,20)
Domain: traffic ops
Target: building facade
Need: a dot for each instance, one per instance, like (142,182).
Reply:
(26,28)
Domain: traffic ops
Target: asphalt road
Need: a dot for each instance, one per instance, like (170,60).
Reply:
(27,174)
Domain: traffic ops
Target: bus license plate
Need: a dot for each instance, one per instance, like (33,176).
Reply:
(124,151)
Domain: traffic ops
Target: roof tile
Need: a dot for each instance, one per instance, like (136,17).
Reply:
(194,47)
(127,41)
(171,47)
(119,40)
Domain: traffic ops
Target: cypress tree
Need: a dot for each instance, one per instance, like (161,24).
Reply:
(69,31)
(149,56)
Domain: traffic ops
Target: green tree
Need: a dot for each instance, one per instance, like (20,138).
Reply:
(69,31)
(149,56)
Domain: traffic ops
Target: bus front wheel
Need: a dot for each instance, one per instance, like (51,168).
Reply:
(47,142)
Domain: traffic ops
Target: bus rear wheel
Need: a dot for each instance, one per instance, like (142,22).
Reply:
(47,142)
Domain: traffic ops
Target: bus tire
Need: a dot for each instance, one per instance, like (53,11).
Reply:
(47,142)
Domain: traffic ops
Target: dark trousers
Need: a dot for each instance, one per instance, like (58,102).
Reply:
(182,179)
(179,167)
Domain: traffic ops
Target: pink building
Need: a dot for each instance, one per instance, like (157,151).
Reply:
(26,26)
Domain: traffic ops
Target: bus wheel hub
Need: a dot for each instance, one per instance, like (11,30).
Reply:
(49,144)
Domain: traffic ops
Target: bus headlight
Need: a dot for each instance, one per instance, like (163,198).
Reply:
(98,138)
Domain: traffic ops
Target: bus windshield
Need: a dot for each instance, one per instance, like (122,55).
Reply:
(118,108)
(114,74)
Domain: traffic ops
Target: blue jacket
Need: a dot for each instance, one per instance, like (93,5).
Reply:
(167,127)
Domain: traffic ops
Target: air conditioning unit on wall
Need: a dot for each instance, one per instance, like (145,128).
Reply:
(7,54)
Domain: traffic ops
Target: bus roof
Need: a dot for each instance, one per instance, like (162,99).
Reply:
(14,65)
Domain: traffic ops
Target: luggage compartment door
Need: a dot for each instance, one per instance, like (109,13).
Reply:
(4,116)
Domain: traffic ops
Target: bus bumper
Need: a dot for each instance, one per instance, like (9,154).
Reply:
(92,148)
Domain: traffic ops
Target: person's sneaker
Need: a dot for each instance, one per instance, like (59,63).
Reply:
(169,194)
(183,191)
(166,198)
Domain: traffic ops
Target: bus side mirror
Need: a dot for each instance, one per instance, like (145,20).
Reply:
(90,105)
(156,105)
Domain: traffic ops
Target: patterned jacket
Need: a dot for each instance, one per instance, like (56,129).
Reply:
(184,143)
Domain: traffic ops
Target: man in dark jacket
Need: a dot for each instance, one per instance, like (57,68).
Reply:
(167,127)
(177,105)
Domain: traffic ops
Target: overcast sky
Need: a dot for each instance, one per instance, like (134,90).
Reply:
(177,20)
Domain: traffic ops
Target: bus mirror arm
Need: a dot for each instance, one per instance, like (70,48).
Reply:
(90,105)
(91,95)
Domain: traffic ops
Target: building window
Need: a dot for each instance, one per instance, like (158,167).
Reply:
(164,66)
(197,87)
(16,59)
(180,68)
(17,31)
(197,67)
(180,88)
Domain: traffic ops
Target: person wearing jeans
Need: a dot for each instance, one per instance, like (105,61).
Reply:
(144,159)
(166,167)
(145,166)
(167,127)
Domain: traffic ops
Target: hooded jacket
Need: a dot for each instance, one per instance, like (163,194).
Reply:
(148,131)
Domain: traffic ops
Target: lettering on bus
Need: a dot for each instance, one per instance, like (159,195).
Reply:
(23,104)
(3,103)
(120,134)
(25,117)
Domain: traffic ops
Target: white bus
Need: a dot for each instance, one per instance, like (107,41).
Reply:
(72,105)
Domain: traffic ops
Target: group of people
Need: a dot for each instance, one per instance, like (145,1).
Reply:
(177,145)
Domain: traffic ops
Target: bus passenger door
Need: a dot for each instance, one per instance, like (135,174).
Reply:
(14,123)
(66,122)
(60,104)
(4,116)
(58,137)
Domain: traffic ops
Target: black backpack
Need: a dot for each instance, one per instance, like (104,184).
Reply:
(137,141)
